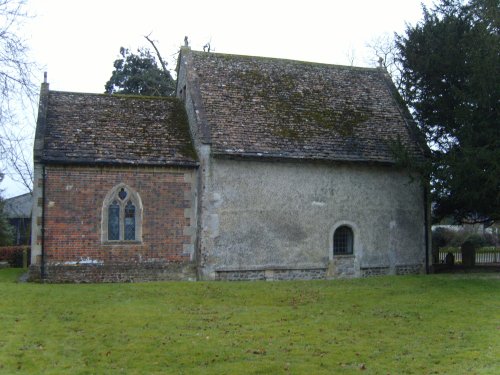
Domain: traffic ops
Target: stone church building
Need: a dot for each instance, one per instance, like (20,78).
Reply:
(258,169)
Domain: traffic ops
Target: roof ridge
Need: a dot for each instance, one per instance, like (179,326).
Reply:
(231,55)
(16,196)
(126,96)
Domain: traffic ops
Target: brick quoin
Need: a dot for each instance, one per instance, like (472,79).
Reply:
(73,204)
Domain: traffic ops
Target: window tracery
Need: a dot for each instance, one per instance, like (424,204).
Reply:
(122,215)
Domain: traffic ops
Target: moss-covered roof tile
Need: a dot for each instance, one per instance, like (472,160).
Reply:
(118,129)
(292,109)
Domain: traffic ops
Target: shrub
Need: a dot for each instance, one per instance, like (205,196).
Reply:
(441,237)
(491,239)
(459,238)
(6,231)
(476,240)
(444,237)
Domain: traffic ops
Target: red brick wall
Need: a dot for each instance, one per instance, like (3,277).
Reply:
(74,199)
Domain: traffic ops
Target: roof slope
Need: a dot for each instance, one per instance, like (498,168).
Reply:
(118,129)
(19,206)
(257,106)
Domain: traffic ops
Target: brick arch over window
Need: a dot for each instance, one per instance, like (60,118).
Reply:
(122,215)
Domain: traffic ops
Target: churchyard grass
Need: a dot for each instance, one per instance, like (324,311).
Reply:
(436,324)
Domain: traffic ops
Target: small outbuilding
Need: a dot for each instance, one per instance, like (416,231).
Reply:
(17,210)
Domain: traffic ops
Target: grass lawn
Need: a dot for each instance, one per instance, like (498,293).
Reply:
(438,324)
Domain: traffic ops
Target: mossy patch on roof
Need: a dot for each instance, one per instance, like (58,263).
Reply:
(179,117)
(122,129)
(296,109)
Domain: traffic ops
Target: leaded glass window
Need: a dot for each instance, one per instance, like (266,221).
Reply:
(122,215)
(343,241)
(114,221)
(122,194)
(129,221)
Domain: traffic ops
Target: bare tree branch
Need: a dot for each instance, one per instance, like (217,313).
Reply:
(18,94)
(384,51)
(351,55)
(15,152)
(163,65)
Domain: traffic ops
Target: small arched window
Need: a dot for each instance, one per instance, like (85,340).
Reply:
(343,239)
(122,215)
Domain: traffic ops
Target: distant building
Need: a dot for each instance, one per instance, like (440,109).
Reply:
(18,213)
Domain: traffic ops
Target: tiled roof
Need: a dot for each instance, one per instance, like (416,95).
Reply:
(266,107)
(19,206)
(118,129)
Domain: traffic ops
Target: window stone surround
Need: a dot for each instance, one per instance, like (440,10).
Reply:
(112,196)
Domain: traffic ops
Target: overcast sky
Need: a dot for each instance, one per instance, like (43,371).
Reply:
(76,42)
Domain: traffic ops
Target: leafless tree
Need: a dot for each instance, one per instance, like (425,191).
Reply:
(350,55)
(384,52)
(18,93)
(162,62)
(15,150)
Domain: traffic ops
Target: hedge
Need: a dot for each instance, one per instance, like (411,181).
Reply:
(14,255)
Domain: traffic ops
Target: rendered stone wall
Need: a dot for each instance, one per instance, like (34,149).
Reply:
(263,215)
(73,247)
(257,217)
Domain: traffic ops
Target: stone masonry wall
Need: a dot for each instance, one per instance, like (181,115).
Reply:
(265,215)
(73,247)
(271,274)
(129,272)
(409,269)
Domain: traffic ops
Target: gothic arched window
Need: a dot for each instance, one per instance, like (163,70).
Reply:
(122,215)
